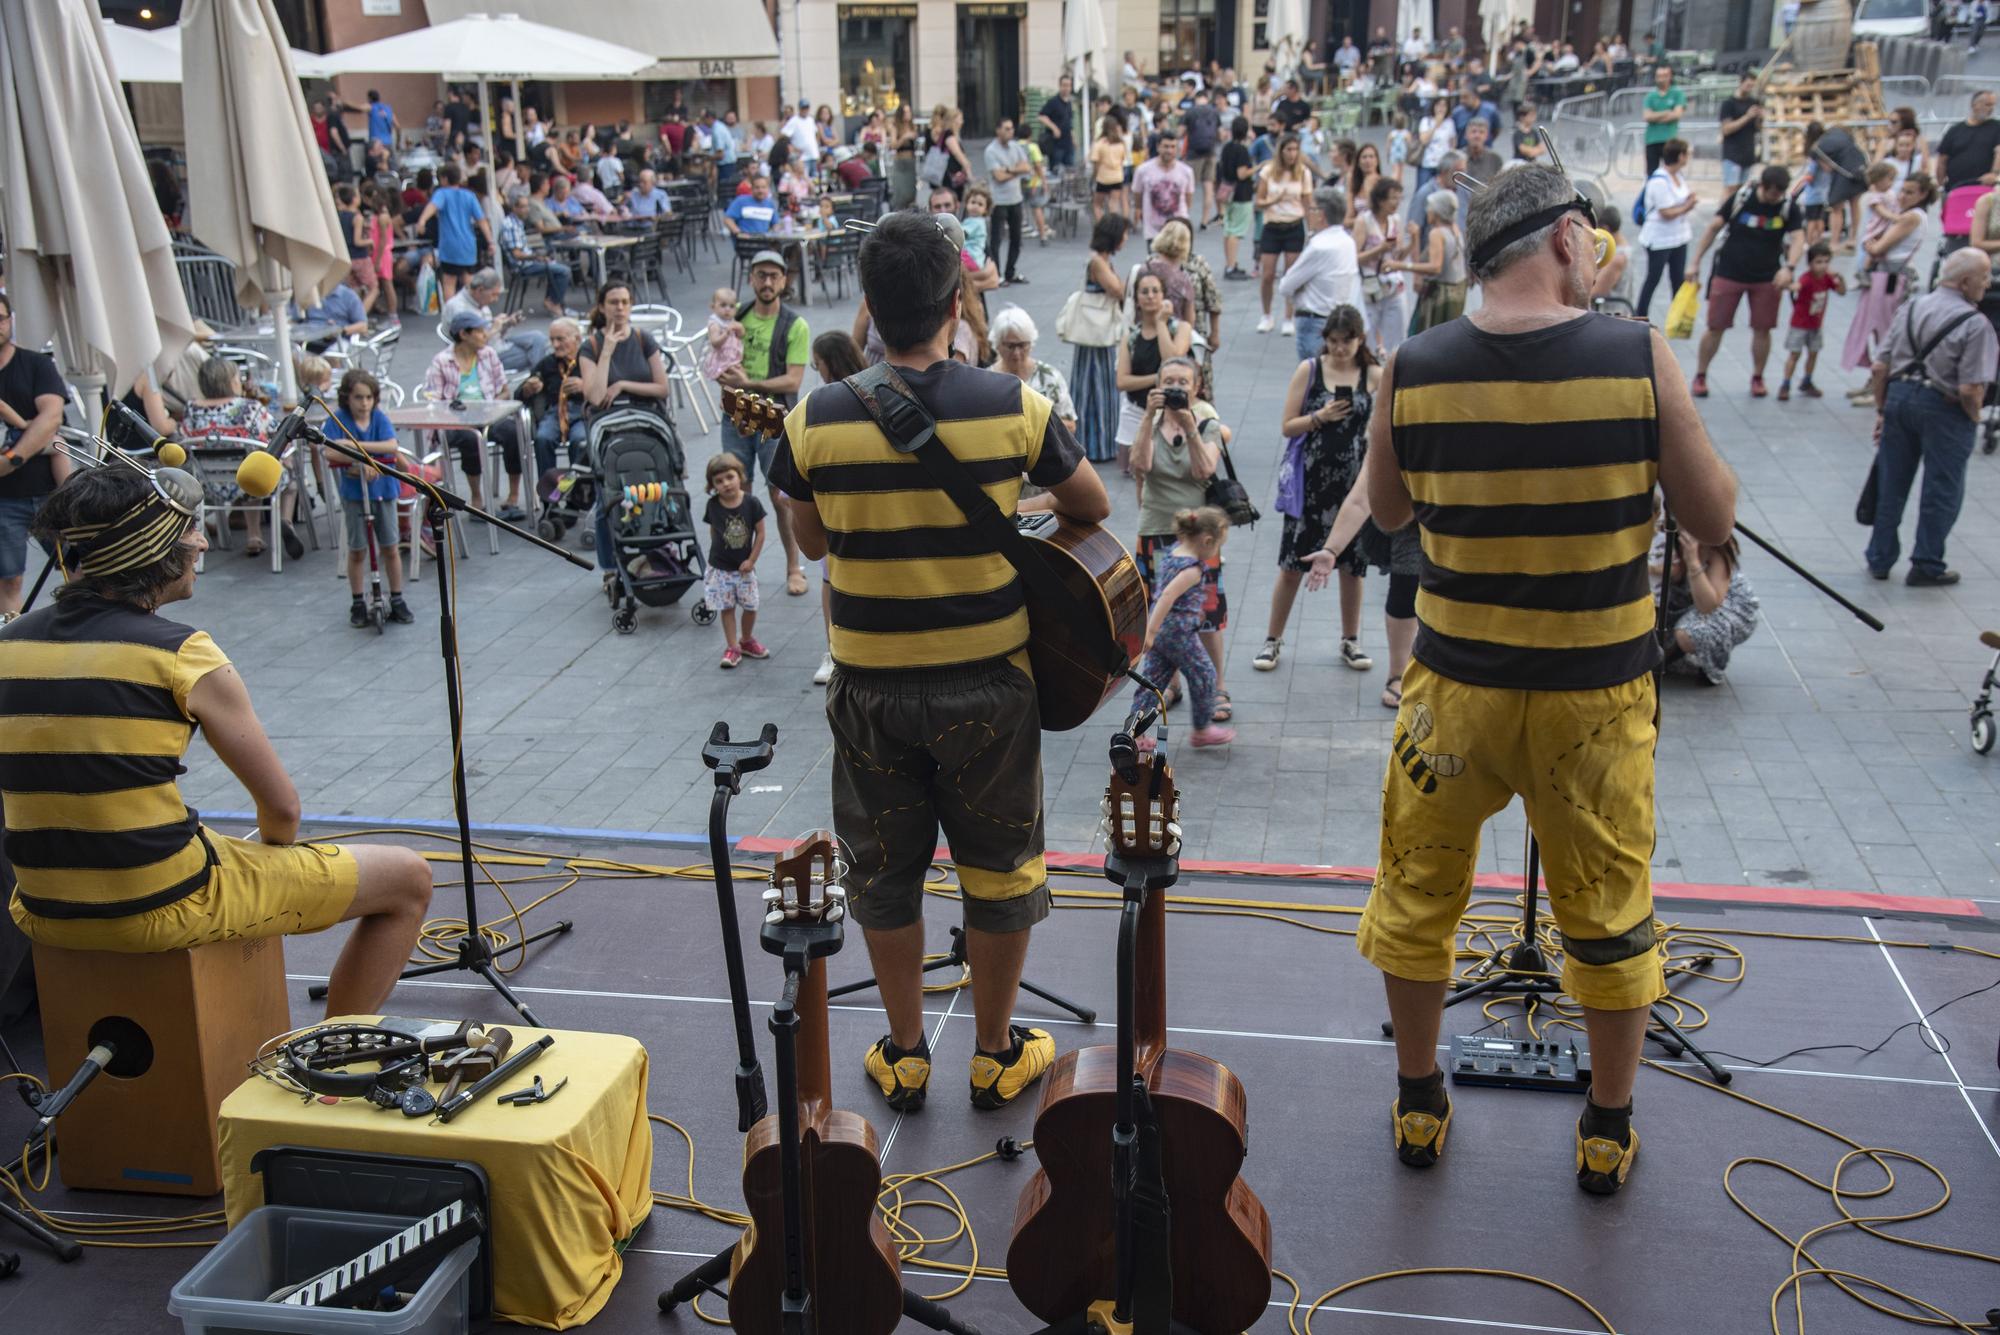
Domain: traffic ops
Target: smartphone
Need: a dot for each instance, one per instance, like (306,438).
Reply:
(1344,392)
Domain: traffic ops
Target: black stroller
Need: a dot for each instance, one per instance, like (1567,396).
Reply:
(656,552)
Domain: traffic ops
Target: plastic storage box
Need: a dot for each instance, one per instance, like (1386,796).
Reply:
(279,1245)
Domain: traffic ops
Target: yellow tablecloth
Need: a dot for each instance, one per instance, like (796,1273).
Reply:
(570,1179)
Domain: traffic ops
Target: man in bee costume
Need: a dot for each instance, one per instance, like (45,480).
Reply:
(1526,440)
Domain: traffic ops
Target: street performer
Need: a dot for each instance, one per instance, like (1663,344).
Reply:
(99,698)
(1526,440)
(932,704)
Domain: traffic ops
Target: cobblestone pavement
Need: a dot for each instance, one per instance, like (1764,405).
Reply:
(1834,756)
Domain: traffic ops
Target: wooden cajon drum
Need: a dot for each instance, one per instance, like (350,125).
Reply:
(184,1023)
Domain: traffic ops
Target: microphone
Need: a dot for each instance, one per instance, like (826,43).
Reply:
(260,473)
(139,424)
(52,1106)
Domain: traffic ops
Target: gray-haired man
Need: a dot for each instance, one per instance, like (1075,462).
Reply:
(1325,275)
(519,348)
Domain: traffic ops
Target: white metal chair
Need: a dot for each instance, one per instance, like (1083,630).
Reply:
(665,324)
(214,459)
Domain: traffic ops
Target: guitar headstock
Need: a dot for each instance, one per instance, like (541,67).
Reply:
(805,884)
(753,414)
(1142,819)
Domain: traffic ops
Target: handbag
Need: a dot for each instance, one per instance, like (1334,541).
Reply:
(1864,505)
(1228,495)
(1371,287)
(1291,498)
(1090,320)
(936,161)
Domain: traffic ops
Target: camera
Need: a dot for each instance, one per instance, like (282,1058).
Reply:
(1175,398)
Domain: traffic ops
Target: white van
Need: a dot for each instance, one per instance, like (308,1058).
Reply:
(1875,19)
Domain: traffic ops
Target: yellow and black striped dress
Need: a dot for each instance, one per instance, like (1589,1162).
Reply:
(93,725)
(1531,459)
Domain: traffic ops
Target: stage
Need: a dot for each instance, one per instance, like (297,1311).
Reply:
(1264,977)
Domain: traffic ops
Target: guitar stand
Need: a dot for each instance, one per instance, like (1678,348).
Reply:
(731,761)
(955,959)
(1522,971)
(1141,1213)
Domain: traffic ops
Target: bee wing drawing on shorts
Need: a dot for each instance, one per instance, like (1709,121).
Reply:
(1424,768)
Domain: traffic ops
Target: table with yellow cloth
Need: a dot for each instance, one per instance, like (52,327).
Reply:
(570,1179)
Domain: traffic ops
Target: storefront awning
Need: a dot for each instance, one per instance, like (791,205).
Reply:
(694,39)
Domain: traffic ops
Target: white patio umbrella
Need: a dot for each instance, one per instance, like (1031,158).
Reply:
(257,191)
(90,261)
(1501,19)
(491,48)
(1411,15)
(1285,30)
(1086,49)
(153,55)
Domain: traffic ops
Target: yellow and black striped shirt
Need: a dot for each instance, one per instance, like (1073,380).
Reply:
(93,725)
(914,586)
(1531,459)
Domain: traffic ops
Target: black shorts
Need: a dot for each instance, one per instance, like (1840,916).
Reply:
(1115,186)
(457,270)
(1815,213)
(1283,238)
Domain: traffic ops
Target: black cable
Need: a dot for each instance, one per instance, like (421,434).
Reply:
(1941,1047)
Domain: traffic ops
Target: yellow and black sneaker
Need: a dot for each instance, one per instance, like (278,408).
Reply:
(1419,1134)
(1603,1163)
(902,1075)
(999,1078)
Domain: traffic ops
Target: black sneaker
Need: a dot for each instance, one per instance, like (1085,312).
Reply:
(400,613)
(1924,579)
(357,613)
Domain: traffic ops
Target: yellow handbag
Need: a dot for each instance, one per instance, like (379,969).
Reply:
(1680,315)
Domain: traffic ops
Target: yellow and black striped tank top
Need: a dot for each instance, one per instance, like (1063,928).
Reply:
(1531,459)
(93,725)
(914,585)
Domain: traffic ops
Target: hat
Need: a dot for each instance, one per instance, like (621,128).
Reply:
(468,318)
(770,257)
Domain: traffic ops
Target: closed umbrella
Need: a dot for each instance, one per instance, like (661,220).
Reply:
(153,55)
(1086,50)
(1285,30)
(91,261)
(257,190)
(490,48)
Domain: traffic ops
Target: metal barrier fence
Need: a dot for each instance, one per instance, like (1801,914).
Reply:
(1704,100)
(1704,140)
(1585,145)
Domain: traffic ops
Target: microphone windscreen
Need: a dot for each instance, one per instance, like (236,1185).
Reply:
(259,473)
(171,455)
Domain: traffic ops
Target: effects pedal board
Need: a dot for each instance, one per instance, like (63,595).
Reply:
(1477,1059)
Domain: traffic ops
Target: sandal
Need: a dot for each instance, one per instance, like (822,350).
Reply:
(1392,693)
(254,549)
(1171,698)
(1224,710)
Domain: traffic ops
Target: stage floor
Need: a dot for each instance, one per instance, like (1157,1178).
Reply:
(1297,1015)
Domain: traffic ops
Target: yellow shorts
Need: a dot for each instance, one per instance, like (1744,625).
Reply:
(253,890)
(1582,763)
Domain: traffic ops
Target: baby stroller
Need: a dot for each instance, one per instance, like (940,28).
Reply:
(656,553)
(568,493)
(1982,708)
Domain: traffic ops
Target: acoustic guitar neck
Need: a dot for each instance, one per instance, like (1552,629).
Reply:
(1142,821)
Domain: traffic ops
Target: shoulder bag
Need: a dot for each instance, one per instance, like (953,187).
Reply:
(1228,495)
(1090,320)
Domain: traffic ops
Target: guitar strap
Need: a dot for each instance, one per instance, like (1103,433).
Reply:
(912,430)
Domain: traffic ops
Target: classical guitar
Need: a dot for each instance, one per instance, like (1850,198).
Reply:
(1063,1256)
(1093,566)
(850,1265)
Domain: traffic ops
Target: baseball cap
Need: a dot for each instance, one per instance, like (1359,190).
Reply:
(463,320)
(770,257)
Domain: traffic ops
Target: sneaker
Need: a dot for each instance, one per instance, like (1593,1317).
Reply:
(1419,1135)
(1809,390)
(1267,657)
(1212,735)
(1757,390)
(1602,1164)
(1785,390)
(357,613)
(1264,326)
(1924,579)
(1698,386)
(753,648)
(903,1077)
(1288,328)
(825,671)
(513,514)
(1017,281)
(400,613)
(1350,654)
(999,1078)
(731,656)
(1873,573)
(1236,275)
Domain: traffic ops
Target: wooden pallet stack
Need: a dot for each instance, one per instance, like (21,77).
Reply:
(1849,97)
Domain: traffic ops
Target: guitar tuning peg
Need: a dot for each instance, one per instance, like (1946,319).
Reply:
(836,911)
(774,917)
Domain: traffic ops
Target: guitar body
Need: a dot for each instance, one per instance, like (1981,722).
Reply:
(1062,1257)
(1070,681)
(1091,563)
(851,1265)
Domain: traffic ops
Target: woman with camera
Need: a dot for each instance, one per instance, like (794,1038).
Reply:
(1176,451)
(1325,426)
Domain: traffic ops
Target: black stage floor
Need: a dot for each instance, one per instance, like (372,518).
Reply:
(1296,1014)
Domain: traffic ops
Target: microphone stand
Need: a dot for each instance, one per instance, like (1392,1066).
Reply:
(475,956)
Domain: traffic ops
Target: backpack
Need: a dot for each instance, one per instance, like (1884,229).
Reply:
(1639,204)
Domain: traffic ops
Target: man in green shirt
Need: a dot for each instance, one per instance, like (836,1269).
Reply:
(1663,114)
(777,344)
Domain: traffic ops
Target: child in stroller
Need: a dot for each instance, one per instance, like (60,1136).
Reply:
(646,538)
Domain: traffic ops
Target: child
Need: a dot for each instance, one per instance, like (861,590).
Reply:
(725,335)
(358,419)
(1808,313)
(978,203)
(1878,209)
(735,522)
(382,250)
(1399,146)
(796,186)
(1173,639)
